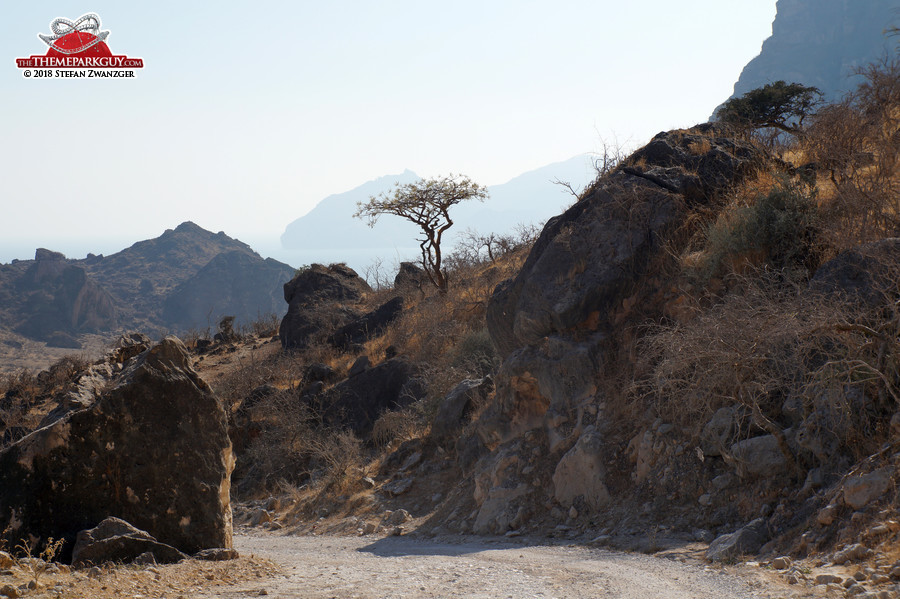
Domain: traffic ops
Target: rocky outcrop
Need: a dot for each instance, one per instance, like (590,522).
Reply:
(821,43)
(584,259)
(542,386)
(357,402)
(236,283)
(368,326)
(456,408)
(558,322)
(152,450)
(580,473)
(58,298)
(320,299)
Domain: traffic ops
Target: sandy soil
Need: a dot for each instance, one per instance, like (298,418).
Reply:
(369,567)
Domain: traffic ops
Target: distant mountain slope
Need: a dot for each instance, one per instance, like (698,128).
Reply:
(528,198)
(187,277)
(821,43)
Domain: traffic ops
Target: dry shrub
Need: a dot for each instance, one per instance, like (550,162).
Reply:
(778,228)
(393,426)
(824,364)
(267,366)
(857,143)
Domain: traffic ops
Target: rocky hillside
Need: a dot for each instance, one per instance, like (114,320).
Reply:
(821,43)
(187,277)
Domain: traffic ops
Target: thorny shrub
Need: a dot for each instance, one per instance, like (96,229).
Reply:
(778,228)
(823,364)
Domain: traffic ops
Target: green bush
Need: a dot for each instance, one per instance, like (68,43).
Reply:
(779,228)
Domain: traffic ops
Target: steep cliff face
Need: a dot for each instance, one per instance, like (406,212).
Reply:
(821,43)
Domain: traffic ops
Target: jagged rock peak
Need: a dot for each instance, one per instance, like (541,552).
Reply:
(821,43)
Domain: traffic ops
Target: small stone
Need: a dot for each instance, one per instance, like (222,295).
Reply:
(781,563)
(370,528)
(397,531)
(399,517)
(852,553)
(8,590)
(723,481)
(263,592)
(827,514)
(6,560)
(573,513)
(260,516)
(705,500)
(877,531)
(791,579)
(860,575)
(828,579)
(398,487)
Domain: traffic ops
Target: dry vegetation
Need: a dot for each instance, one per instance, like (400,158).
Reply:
(757,335)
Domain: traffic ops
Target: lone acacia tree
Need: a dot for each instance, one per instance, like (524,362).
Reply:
(778,105)
(427,204)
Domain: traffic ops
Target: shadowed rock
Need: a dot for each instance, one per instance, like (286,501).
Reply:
(316,298)
(153,450)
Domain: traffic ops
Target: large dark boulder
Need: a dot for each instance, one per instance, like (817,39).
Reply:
(320,299)
(868,273)
(368,326)
(586,258)
(152,450)
(357,402)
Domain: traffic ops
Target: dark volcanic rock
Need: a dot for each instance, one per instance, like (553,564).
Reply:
(153,450)
(115,540)
(316,298)
(410,276)
(458,406)
(357,402)
(585,258)
(235,283)
(868,273)
(368,326)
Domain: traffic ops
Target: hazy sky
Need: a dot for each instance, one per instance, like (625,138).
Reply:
(247,114)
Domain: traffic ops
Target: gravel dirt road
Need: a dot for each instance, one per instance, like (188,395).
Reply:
(369,567)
